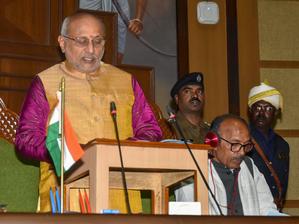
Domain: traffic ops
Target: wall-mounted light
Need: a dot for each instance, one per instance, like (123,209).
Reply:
(207,12)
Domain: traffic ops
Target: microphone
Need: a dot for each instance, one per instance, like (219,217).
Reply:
(172,116)
(113,112)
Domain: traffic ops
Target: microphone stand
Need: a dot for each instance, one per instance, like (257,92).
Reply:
(113,112)
(172,116)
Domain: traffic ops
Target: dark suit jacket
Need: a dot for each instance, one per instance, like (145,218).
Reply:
(279,164)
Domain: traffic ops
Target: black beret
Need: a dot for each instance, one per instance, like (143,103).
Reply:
(195,78)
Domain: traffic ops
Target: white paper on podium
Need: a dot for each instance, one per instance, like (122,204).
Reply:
(184,208)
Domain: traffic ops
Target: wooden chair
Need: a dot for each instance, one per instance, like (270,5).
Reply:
(167,129)
(19,177)
(8,123)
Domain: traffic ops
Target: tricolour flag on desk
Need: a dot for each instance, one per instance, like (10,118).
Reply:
(72,149)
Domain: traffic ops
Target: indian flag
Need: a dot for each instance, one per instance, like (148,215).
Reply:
(72,149)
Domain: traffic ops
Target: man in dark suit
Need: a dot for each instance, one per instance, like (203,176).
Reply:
(271,151)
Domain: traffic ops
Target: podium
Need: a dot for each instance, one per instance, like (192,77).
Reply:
(148,166)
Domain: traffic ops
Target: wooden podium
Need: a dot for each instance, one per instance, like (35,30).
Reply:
(148,166)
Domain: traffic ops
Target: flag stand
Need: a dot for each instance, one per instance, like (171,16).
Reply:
(62,89)
(61,134)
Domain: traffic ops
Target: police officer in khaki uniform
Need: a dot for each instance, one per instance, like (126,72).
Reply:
(188,93)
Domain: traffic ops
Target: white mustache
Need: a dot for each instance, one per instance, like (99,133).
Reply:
(89,56)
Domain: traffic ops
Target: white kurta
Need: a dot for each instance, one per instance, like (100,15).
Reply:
(255,194)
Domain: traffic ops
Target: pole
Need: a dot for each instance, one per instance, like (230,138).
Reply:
(62,89)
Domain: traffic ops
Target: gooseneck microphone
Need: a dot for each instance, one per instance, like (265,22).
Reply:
(172,116)
(113,112)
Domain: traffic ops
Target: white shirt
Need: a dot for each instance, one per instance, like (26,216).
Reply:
(255,194)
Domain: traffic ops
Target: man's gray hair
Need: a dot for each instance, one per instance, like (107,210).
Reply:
(63,31)
(64,28)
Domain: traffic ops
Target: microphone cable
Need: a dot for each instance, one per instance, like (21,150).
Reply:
(172,116)
(113,112)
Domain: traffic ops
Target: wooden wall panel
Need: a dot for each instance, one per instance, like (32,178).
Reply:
(15,79)
(14,98)
(145,76)
(68,7)
(208,54)
(29,29)
(182,38)
(28,45)
(249,74)
(232,57)
(24,14)
(278,41)
(259,47)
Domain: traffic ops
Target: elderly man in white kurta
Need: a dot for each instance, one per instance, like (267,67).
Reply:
(238,186)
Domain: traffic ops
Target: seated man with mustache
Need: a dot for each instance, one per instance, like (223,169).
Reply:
(238,186)
(271,151)
(188,93)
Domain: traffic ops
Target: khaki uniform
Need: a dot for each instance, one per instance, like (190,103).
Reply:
(190,131)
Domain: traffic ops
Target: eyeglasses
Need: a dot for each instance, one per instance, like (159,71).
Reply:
(236,147)
(84,41)
(266,109)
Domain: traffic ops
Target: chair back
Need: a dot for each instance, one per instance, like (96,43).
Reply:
(8,123)
(167,130)
(19,177)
